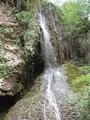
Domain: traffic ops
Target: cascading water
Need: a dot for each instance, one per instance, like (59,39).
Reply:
(54,78)
(50,58)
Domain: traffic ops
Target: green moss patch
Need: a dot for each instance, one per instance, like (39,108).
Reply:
(72,71)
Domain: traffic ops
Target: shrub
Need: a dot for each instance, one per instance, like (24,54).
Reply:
(72,71)
(81,82)
(84,104)
(24,16)
(84,69)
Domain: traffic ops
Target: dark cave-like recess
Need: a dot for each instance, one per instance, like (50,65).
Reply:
(6,102)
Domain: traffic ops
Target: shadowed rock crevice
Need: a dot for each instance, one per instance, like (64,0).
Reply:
(6,102)
(34,66)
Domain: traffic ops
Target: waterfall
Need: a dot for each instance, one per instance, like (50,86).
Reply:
(53,78)
(50,58)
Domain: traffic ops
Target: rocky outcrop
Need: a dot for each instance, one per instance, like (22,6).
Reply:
(20,54)
(11,59)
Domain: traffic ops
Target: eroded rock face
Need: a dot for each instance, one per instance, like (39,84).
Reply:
(10,53)
(10,88)
(19,53)
(5,86)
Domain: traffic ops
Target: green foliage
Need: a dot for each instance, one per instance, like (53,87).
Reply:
(77,25)
(31,35)
(70,11)
(84,104)
(78,77)
(28,39)
(6,30)
(84,69)
(72,71)
(1,34)
(74,15)
(6,71)
(2,60)
(28,34)
(81,82)
(24,16)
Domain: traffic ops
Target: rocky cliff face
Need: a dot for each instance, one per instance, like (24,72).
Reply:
(20,56)
(52,16)
(20,52)
(11,59)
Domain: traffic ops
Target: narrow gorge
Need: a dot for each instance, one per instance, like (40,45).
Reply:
(44,61)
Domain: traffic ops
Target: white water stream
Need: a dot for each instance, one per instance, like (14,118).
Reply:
(54,78)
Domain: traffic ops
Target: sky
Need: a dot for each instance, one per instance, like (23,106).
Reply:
(57,1)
